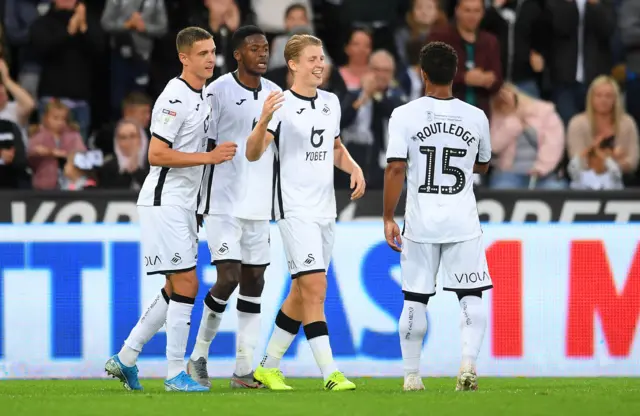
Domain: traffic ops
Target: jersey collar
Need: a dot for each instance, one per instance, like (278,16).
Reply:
(312,100)
(199,92)
(255,91)
(441,99)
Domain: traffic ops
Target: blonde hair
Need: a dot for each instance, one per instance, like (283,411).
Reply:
(618,109)
(56,104)
(296,44)
(522,98)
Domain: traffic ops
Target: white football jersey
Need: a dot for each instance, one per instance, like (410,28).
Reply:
(305,130)
(441,140)
(181,117)
(238,187)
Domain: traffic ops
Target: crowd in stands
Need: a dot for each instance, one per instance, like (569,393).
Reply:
(558,79)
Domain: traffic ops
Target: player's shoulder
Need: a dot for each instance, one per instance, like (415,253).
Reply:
(328,96)
(268,85)
(471,111)
(221,83)
(177,92)
(408,109)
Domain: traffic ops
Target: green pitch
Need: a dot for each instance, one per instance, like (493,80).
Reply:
(497,396)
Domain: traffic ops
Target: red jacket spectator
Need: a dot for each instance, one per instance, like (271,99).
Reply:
(486,57)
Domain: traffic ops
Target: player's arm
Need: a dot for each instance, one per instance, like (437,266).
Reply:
(266,129)
(343,161)
(394,175)
(484,149)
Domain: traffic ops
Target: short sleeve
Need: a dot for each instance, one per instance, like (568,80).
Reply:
(338,111)
(484,143)
(168,116)
(274,124)
(213,96)
(397,149)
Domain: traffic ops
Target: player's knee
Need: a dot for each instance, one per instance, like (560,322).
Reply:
(228,279)
(313,289)
(252,281)
(168,289)
(465,293)
(185,283)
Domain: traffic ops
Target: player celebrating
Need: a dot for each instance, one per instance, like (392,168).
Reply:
(440,142)
(237,208)
(306,134)
(167,205)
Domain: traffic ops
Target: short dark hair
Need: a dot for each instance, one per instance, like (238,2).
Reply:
(190,35)
(439,61)
(296,6)
(136,98)
(239,36)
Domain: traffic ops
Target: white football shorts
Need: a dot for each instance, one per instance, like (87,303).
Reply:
(308,243)
(463,266)
(169,239)
(236,240)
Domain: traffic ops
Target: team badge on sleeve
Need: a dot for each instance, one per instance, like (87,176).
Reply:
(168,116)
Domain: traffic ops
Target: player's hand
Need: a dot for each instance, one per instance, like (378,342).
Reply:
(392,235)
(475,77)
(271,105)
(222,153)
(358,184)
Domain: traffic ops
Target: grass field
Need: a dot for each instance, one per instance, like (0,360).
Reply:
(497,396)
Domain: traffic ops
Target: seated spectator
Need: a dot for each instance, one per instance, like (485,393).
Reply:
(421,18)
(13,157)
(479,73)
(54,140)
(365,116)
(127,167)
(600,172)
(358,52)
(133,26)
(604,121)
(66,43)
(79,170)
(136,107)
(296,21)
(19,109)
(527,140)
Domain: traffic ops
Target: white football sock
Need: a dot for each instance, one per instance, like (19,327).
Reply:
(284,332)
(318,336)
(412,329)
(178,325)
(248,333)
(148,325)
(473,322)
(209,324)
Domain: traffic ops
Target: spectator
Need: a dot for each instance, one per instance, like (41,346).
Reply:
(605,121)
(629,21)
(53,142)
(13,157)
(580,49)
(136,107)
(221,18)
(527,139)
(66,43)
(79,170)
(19,15)
(601,171)
(518,26)
(479,73)
(411,78)
(17,111)
(421,18)
(365,117)
(296,21)
(133,26)
(127,168)
(358,52)
(269,14)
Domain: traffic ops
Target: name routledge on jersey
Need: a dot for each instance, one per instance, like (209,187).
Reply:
(442,127)
(317,139)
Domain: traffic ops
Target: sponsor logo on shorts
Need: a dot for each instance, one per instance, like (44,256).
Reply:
(472,277)
(309,261)
(152,260)
(223,248)
(176,259)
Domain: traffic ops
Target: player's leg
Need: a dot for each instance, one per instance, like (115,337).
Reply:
(466,273)
(255,245)
(123,365)
(419,264)
(223,237)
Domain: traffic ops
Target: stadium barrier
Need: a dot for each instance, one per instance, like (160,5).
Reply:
(104,206)
(566,302)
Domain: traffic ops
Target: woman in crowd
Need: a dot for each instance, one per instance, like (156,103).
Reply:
(52,143)
(420,19)
(605,124)
(527,139)
(358,51)
(128,167)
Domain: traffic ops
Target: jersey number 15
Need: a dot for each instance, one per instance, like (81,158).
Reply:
(447,153)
